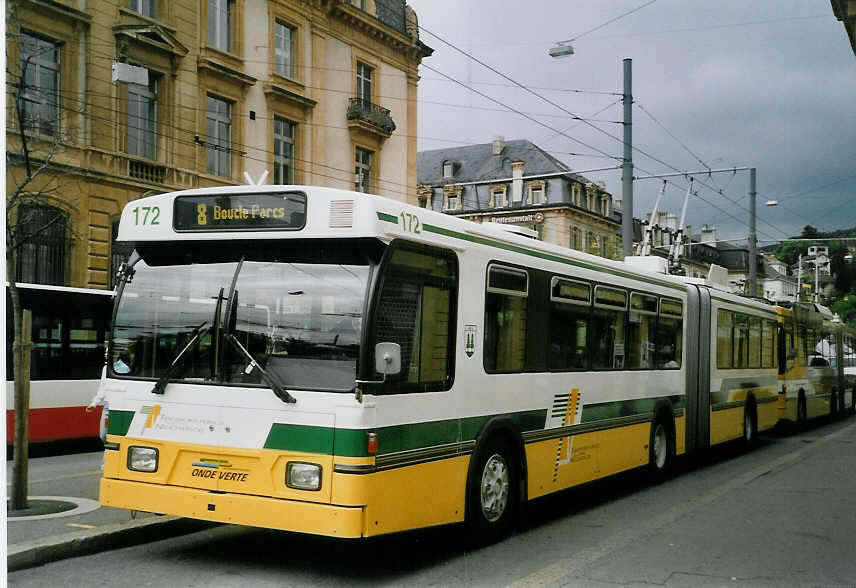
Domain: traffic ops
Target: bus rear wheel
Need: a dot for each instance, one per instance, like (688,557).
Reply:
(750,425)
(853,400)
(802,413)
(661,448)
(492,493)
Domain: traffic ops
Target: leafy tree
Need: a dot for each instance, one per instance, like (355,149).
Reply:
(841,270)
(845,307)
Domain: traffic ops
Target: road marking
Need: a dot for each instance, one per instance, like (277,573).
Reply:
(63,477)
(80,525)
(565,567)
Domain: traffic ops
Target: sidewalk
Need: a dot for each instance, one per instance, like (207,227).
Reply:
(71,481)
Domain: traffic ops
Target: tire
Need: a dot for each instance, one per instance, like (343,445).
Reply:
(661,448)
(492,493)
(750,425)
(853,400)
(833,403)
(802,412)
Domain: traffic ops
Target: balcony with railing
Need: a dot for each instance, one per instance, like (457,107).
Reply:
(368,116)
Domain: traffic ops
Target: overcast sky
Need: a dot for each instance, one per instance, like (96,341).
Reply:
(767,83)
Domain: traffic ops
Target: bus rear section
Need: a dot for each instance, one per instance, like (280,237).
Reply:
(69,329)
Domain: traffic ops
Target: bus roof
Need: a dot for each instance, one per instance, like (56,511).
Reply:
(296,212)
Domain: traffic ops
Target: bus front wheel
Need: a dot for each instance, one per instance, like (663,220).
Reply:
(492,494)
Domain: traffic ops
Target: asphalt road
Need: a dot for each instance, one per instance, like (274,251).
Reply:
(783,514)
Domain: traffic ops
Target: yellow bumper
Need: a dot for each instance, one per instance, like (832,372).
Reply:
(239,509)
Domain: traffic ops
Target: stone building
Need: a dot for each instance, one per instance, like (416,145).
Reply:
(124,98)
(518,183)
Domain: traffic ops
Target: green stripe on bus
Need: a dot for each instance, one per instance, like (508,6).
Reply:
(393,439)
(119,421)
(517,249)
(387,217)
(622,408)
(300,438)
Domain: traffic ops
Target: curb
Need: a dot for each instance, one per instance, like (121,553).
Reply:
(41,551)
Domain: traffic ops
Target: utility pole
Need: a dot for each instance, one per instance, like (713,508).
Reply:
(753,238)
(799,277)
(627,164)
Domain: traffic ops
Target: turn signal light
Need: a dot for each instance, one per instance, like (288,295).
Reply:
(372,443)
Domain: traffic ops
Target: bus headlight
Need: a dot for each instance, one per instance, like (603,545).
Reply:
(143,459)
(303,476)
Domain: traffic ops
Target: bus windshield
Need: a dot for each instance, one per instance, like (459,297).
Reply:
(300,320)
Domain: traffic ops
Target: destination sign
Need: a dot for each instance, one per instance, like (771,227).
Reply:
(236,212)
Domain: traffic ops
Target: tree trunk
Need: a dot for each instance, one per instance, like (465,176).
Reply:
(21,358)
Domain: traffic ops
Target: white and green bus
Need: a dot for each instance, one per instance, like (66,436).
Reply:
(335,363)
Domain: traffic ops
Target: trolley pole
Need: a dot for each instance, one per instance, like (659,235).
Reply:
(627,164)
(753,238)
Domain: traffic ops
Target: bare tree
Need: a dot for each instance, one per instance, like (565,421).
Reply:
(32,177)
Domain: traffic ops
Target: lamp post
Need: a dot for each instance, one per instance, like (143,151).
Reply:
(564,49)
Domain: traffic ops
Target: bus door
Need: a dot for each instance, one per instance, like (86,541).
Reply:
(698,369)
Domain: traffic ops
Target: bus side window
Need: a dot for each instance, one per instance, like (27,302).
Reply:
(670,330)
(724,339)
(768,345)
(754,342)
(642,323)
(416,309)
(505,319)
(607,340)
(741,341)
(570,318)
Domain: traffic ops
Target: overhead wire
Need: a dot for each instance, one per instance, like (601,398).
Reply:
(562,108)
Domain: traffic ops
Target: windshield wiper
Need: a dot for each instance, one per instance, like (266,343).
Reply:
(277,388)
(160,385)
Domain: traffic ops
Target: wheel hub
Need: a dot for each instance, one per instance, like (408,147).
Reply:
(495,488)
(660,446)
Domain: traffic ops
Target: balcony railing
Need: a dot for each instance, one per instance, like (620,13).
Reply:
(147,172)
(360,109)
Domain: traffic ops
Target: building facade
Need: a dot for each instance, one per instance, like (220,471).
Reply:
(118,99)
(518,183)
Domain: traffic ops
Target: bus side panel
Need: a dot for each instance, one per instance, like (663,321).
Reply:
(411,497)
(725,425)
(557,464)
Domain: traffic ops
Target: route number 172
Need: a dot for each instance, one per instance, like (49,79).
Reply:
(146,215)
(410,222)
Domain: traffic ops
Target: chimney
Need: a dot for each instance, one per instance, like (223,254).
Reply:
(517,180)
(498,145)
(672,221)
(616,205)
(708,234)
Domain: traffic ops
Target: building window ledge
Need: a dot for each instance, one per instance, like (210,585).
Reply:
(277,91)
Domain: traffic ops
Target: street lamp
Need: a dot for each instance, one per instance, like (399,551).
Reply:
(564,49)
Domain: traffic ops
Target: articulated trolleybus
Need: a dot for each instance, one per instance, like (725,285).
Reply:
(342,364)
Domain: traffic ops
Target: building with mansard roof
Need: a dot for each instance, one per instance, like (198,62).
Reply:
(518,183)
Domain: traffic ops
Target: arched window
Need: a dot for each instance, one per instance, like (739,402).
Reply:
(42,237)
